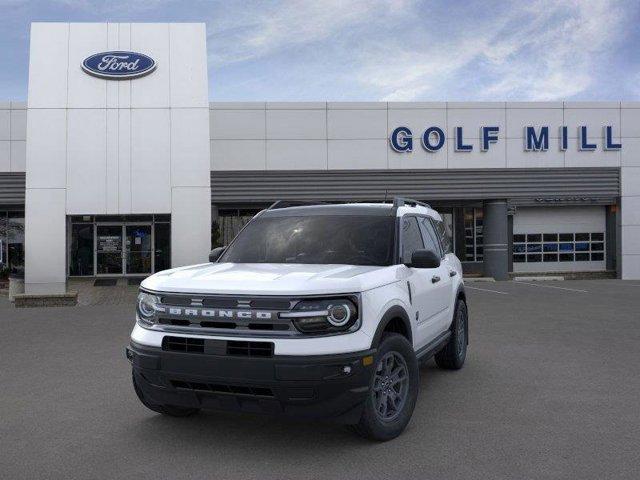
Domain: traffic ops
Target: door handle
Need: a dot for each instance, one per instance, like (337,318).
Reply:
(452,273)
(435,279)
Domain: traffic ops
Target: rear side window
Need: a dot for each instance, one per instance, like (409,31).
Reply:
(445,239)
(430,236)
(411,238)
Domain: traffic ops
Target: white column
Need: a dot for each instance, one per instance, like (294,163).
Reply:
(45,241)
(630,223)
(190,225)
(630,191)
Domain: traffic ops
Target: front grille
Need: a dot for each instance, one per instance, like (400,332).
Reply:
(218,347)
(255,391)
(183,344)
(226,315)
(250,349)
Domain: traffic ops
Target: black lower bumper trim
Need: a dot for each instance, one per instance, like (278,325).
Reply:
(324,386)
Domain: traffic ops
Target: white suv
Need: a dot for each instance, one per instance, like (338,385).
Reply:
(313,311)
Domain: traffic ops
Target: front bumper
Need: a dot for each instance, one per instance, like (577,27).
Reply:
(324,386)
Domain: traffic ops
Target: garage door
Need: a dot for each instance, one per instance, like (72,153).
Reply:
(559,239)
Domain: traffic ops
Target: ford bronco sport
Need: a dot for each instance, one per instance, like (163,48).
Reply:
(315,311)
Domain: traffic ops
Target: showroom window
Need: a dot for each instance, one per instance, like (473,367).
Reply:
(11,243)
(558,247)
(115,245)
(228,223)
(473,239)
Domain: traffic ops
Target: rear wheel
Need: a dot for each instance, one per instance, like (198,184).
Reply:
(170,410)
(393,392)
(453,355)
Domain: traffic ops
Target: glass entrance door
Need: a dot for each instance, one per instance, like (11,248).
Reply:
(109,258)
(138,249)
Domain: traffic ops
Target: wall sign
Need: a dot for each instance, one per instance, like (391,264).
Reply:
(109,243)
(118,65)
(535,139)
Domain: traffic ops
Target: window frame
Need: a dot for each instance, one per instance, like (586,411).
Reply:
(435,237)
(566,251)
(401,235)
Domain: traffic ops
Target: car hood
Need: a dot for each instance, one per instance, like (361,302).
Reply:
(270,279)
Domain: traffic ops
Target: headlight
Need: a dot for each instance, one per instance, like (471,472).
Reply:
(147,307)
(330,315)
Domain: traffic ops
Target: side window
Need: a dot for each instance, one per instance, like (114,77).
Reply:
(445,239)
(430,238)
(411,238)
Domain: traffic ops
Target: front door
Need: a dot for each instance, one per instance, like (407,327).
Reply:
(138,249)
(124,249)
(109,259)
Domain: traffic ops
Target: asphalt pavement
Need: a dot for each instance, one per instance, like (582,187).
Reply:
(550,390)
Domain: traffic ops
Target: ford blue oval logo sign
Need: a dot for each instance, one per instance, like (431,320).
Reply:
(118,65)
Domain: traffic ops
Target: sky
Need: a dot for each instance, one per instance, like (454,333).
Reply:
(377,50)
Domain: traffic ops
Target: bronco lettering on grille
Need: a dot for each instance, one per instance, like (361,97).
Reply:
(217,313)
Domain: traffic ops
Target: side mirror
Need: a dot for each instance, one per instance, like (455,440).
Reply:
(424,259)
(216,253)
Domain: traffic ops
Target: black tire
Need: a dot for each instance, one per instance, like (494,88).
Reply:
(170,410)
(453,355)
(373,424)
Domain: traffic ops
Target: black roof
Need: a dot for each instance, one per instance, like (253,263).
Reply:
(381,209)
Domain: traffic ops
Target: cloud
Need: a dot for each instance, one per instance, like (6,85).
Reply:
(260,29)
(408,50)
(547,50)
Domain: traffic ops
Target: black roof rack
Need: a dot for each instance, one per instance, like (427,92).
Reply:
(401,201)
(292,203)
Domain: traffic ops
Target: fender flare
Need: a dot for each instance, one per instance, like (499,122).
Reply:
(393,312)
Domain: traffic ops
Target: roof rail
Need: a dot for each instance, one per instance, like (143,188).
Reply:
(292,203)
(401,201)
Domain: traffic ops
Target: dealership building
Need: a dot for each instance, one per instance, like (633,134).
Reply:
(118,165)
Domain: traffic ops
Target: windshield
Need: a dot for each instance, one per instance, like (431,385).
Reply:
(340,239)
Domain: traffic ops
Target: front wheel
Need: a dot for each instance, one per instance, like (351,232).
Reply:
(453,355)
(393,392)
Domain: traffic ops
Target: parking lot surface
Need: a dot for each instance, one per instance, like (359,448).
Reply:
(550,390)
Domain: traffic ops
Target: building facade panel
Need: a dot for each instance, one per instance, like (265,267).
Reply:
(18,124)
(357,154)
(86,180)
(188,56)
(13,129)
(517,157)
(47,148)
(151,160)
(48,62)
(285,154)
(365,124)
(518,118)
(190,146)
(45,241)
(235,124)
(5,156)
(593,116)
(82,90)
(5,123)
(630,122)
(152,91)
(296,124)
(238,155)
(18,156)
